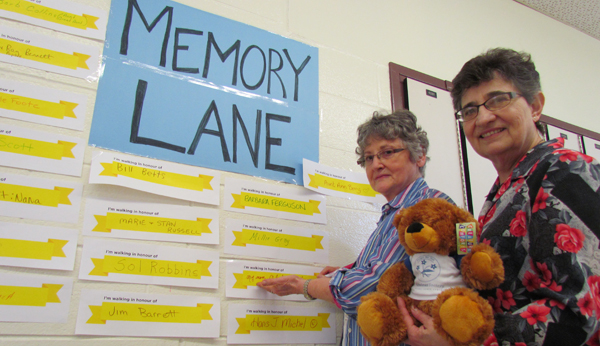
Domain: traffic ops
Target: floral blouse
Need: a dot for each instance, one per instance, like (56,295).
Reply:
(544,221)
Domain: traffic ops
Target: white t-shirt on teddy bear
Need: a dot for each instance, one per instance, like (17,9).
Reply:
(433,274)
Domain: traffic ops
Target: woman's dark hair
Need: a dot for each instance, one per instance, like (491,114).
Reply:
(401,124)
(515,67)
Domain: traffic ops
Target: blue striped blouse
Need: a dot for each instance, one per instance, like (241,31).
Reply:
(382,250)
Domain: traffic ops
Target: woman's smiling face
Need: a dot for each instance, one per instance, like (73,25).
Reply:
(391,176)
(503,136)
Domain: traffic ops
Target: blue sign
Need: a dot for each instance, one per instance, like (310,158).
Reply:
(183,85)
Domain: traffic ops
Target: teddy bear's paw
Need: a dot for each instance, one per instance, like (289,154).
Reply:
(380,320)
(482,269)
(463,316)
(397,280)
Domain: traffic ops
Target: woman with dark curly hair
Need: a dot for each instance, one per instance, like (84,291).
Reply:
(542,214)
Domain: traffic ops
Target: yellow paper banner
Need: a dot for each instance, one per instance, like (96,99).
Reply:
(149,313)
(182,181)
(153,224)
(38,107)
(32,147)
(254,200)
(29,296)
(85,21)
(149,267)
(288,241)
(43,55)
(18,248)
(35,195)
(282,322)
(250,277)
(318,180)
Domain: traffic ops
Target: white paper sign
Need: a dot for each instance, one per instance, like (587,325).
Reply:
(571,138)
(149,221)
(42,105)
(32,246)
(592,148)
(259,239)
(278,324)
(119,261)
(48,54)
(34,298)
(147,315)
(159,177)
(40,151)
(65,16)
(339,183)
(242,277)
(278,201)
(40,199)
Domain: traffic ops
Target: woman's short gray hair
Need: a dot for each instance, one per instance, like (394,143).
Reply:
(401,124)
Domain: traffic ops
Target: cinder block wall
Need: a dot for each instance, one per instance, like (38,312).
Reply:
(356,40)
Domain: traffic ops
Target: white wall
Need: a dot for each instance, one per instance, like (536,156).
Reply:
(356,40)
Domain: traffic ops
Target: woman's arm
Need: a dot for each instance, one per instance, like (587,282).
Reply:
(292,284)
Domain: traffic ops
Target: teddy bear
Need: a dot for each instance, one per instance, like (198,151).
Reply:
(435,284)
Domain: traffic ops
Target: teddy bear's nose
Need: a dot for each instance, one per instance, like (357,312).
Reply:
(414,228)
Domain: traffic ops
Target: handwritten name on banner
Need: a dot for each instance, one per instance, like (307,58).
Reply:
(154,176)
(248,236)
(150,224)
(147,315)
(279,201)
(33,147)
(40,199)
(279,323)
(42,105)
(34,298)
(58,110)
(258,239)
(269,324)
(40,151)
(36,246)
(29,296)
(118,261)
(118,219)
(246,100)
(149,267)
(242,277)
(48,54)
(65,16)
(340,183)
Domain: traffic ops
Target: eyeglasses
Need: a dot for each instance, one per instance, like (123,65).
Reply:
(494,103)
(382,155)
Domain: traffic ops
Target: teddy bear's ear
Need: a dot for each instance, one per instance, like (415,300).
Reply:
(464,215)
(398,217)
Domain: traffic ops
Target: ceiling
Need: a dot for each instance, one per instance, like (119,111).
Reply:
(583,15)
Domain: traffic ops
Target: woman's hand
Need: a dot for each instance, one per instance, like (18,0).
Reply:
(327,270)
(424,335)
(282,286)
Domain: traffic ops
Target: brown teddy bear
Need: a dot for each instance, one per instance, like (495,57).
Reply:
(428,232)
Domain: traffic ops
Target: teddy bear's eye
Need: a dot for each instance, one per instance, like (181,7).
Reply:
(414,228)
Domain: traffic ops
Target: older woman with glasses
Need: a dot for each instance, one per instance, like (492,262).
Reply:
(542,214)
(393,151)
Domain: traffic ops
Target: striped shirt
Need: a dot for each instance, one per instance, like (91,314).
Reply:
(350,283)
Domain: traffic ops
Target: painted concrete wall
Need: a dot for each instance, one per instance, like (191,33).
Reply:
(356,40)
